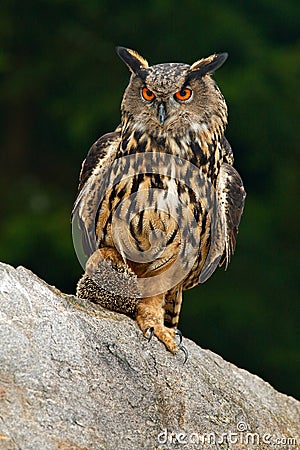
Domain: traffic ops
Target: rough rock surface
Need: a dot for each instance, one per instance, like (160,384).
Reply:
(75,376)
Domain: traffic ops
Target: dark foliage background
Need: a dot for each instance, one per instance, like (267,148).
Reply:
(61,87)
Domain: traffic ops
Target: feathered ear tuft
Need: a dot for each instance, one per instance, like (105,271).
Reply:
(207,65)
(132,59)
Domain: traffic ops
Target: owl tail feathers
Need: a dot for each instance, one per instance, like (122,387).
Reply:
(110,283)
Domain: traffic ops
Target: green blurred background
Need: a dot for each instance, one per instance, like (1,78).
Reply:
(61,87)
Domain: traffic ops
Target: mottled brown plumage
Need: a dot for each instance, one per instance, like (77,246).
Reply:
(159,202)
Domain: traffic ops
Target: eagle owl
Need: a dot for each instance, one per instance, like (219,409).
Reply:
(159,202)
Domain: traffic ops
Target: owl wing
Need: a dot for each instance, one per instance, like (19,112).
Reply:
(100,156)
(97,154)
(230,199)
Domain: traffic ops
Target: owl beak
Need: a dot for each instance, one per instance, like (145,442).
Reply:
(161,113)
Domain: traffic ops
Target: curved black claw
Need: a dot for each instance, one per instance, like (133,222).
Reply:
(151,329)
(186,353)
(178,333)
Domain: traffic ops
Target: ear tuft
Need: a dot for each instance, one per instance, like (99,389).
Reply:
(208,65)
(132,59)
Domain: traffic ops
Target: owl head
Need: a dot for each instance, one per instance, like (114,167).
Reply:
(172,96)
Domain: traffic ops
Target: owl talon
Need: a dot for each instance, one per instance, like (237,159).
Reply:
(178,333)
(151,333)
(186,353)
(181,346)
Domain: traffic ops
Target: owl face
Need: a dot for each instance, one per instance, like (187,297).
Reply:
(167,97)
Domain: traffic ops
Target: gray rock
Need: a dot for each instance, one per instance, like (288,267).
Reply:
(75,376)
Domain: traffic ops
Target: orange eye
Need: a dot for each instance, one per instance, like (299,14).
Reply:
(183,95)
(147,94)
